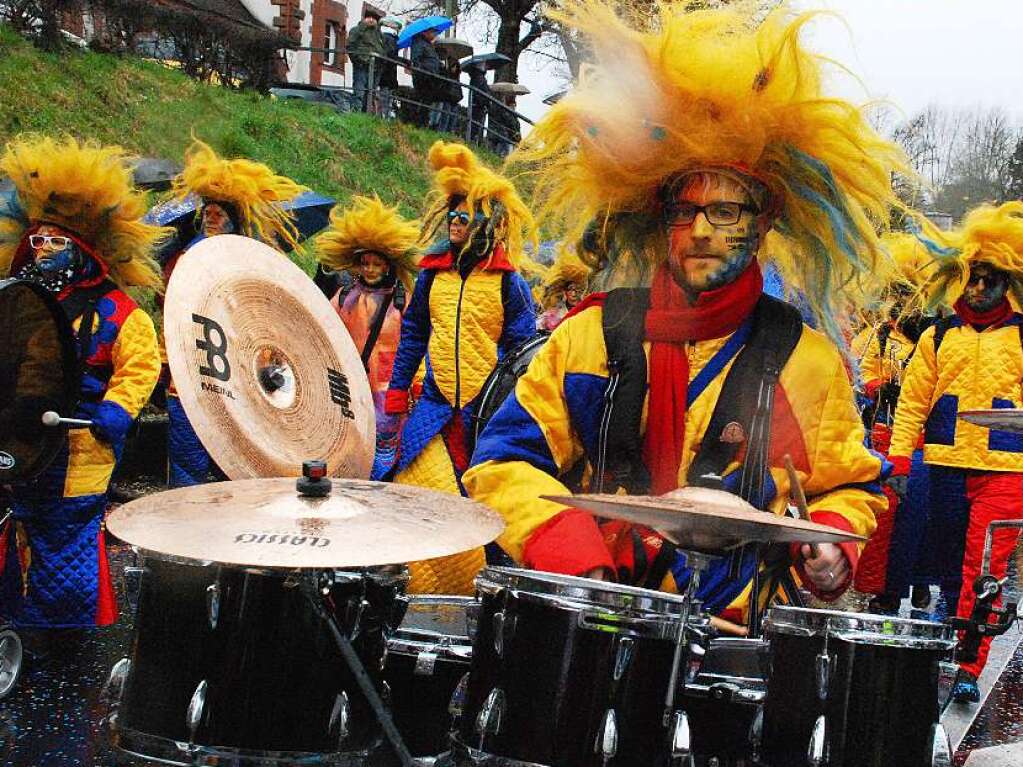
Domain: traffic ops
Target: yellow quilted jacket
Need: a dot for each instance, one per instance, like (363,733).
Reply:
(542,431)
(877,368)
(971,371)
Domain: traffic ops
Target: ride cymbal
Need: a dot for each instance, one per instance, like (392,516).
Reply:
(266,523)
(265,369)
(1002,419)
(707,520)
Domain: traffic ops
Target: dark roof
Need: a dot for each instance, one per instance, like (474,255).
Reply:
(229,10)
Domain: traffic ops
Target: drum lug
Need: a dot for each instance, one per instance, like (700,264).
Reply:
(941,748)
(756,733)
(355,622)
(133,585)
(340,716)
(457,703)
(607,737)
(426,661)
(472,619)
(817,750)
(213,604)
(195,709)
(822,673)
(385,693)
(504,629)
(114,688)
(623,657)
(681,737)
(489,719)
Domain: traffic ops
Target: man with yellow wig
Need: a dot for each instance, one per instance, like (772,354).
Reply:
(470,305)
(563,288)
(696,137)
(75,228)
(235,197)
(378,246)
(973,360)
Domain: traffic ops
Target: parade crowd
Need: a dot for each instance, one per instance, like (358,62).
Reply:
(693,158)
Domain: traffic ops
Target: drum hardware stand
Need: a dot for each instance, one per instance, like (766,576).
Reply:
(315,592)
(680,741)
(987,588)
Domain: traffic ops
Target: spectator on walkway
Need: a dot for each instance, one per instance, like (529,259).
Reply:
(504,130)
(450,96)
(364,42)
(390,28)
(480,103)
(426,64)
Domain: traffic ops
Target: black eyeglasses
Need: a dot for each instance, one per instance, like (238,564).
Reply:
(991,279)
(460,216)
(717,213)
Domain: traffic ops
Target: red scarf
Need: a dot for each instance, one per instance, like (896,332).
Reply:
(670,323)
(998,315)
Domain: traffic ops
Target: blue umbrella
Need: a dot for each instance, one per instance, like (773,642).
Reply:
(438,23)
(311,213)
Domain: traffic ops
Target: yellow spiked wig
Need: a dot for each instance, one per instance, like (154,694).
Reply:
(568,269)
(714,90)
(252,189)
(369,225)
(457,172)
(86,189)
(990,235)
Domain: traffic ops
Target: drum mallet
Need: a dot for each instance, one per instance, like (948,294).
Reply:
(51,418)
(796,491)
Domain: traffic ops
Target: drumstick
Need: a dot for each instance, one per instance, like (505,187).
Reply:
(727,627)
(796,491)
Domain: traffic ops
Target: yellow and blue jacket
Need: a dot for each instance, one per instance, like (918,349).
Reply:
(877,367)
(552,420)
(461,325)
(970,370)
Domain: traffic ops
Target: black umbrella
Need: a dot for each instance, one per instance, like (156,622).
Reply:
(154,173)
(485,60)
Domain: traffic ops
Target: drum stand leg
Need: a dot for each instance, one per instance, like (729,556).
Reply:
(679,738)
(312,591)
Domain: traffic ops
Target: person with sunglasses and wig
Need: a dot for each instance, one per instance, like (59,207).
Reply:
(972,360)
(470,305)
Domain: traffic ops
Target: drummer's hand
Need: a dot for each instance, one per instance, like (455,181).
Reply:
(829,570)
(597,574)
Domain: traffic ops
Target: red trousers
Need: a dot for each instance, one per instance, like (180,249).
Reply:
(991,495)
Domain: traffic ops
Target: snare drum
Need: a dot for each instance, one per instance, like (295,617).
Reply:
(233,665)
(426,659)
(853,690)
(567,672)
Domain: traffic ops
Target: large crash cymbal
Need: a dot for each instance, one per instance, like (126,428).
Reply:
(265,369)
(266,523)
(701,519)
(1001,419)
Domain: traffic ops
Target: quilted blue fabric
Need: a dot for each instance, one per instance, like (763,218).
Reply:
(189,461)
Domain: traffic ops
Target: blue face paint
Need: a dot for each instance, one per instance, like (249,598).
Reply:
(55,262)
(740,255)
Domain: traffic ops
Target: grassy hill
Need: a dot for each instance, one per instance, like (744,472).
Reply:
(152,110)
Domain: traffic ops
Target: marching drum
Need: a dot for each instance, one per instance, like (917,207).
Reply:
(426,659)
(233,665)
(567,672)
(853,690)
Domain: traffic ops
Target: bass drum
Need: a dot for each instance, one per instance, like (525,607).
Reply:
(502,380)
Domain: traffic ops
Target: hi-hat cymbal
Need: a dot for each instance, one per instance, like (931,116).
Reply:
(702,519)
(1003,419)
(266,523)
(265,369)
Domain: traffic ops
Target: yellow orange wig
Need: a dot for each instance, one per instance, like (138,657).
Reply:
(369,225)
(568,269)
(251,188)
(458,172)
(989,234)
(86,189)
(670,92)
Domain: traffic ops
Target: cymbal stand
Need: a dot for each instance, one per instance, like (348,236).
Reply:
(677,721)
(313,591)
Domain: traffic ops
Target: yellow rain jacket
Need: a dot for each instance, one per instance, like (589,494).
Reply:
(971,370)
(551,421)
(877,368)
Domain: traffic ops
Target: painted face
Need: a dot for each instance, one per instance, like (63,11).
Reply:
(458,225)
(52,247)
(985,288)
(712,244)
(215,220)
(573,292)
(372,268)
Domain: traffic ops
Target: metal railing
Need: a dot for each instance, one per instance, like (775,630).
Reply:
(472,93)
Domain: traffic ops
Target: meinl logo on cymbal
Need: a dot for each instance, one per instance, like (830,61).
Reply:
(313,541)
(340,394)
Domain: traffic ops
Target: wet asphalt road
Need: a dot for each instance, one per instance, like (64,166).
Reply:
(55,716)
